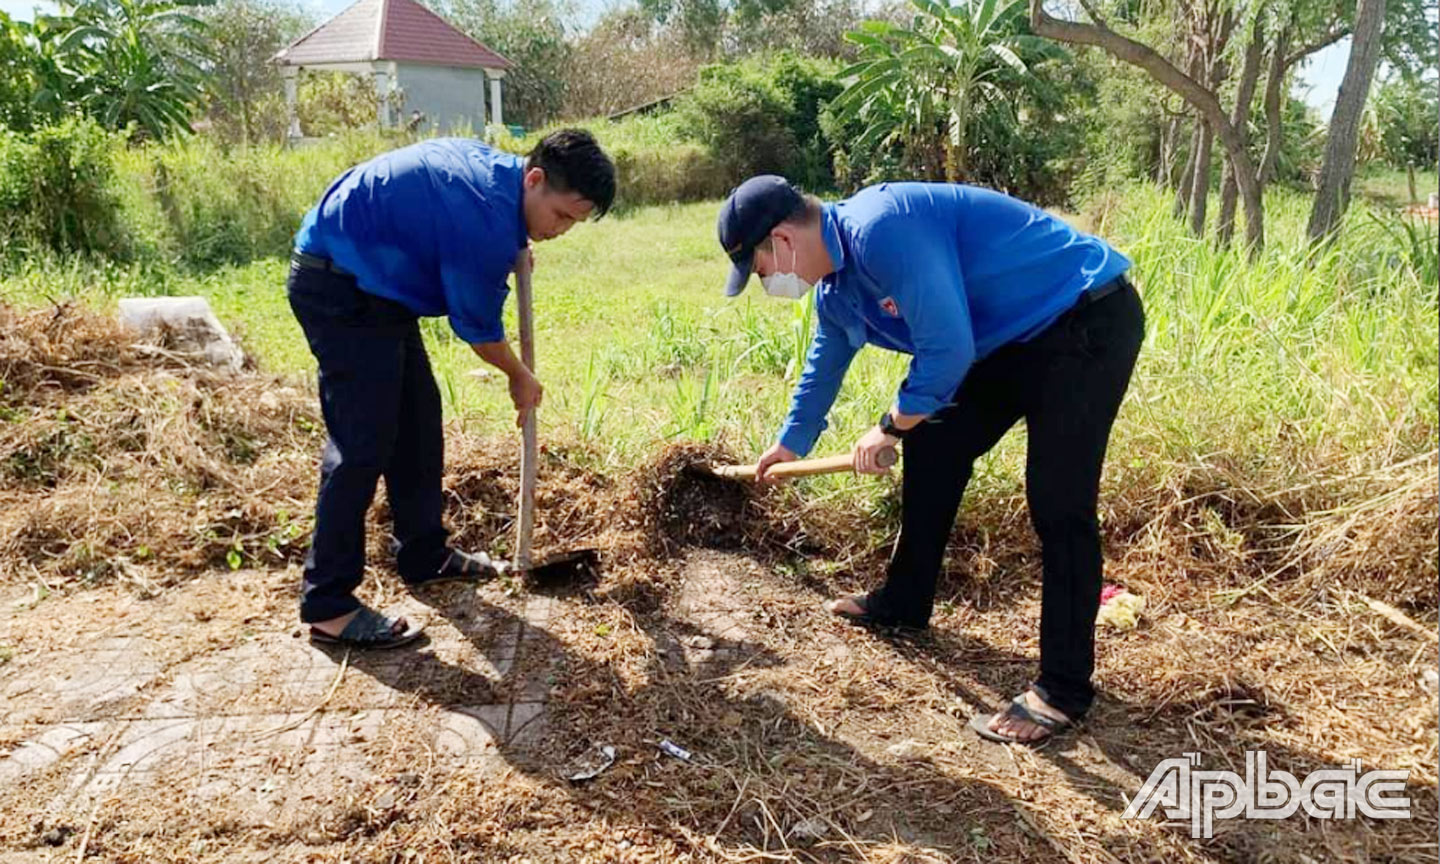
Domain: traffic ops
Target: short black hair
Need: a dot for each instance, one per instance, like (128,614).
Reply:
(573,162)
(807,212)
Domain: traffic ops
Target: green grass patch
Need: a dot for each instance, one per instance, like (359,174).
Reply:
(1391,188)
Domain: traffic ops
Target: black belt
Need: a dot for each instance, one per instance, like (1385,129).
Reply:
(1100,292)
(315,262)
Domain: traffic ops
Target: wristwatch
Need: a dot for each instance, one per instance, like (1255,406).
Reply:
(887,425)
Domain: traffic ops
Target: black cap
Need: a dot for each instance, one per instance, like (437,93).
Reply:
(748,216)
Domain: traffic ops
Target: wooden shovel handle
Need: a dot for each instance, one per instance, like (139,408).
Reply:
(804,467)
(525,524)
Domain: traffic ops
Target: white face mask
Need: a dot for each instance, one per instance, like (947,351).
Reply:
(787,285)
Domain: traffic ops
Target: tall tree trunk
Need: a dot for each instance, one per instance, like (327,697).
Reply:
(1217,33)
(245,123)
(1281,62)
(1168,134)
(1186,183)
(1203,100)
(955,142)
(1274,93)
(1200,193)
(1240,117)
(1339,164)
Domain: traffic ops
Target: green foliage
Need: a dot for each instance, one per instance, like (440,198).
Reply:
(1399,126)
(764,117)
(75,187)
(137,62)
(654,162)
(329,103)
(962,93)
(1302,138)
(55,191)
(740,116)
(39,87)
(808,86)
(532,35)
(914,85)
(245,101)
(16,86)
(1324,355)
(673,173)
(130,64)
(1411,242)
(1409,42)
(1033,144)
(1122,123)
(189,201)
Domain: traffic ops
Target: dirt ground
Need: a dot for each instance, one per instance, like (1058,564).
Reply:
(159,701)
(200,726)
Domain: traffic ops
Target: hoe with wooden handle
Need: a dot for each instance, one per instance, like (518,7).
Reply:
(569,566)
(804,467)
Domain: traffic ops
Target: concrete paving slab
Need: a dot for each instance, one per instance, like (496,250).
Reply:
(267,723)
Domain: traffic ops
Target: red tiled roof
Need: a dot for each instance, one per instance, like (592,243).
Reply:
(400,30)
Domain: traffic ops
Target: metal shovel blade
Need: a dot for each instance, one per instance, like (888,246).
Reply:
(572,569)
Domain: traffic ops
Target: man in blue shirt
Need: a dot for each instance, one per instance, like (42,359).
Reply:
(430,229)
(1008,313)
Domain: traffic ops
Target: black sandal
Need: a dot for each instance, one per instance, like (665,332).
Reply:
(866,618)
(1020,711)
(461,567)
(370,629)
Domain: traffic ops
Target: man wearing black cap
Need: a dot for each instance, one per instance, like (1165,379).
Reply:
(1008,313)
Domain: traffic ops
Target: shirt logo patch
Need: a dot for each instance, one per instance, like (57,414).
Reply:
(889,307)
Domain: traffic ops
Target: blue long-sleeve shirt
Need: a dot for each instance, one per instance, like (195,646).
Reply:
(946,273)
(435,226)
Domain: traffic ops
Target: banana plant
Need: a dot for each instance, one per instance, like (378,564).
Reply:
(137,61)
(912,85)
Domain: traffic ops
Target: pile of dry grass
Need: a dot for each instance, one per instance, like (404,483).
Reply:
(1351,526)
(663,506)
(130,460)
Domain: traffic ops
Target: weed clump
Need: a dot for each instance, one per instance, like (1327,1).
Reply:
(686,505)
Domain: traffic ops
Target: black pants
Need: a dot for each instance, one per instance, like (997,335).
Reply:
(382,412)
(1067,383)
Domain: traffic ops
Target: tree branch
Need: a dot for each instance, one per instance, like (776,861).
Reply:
(1132,52)
(1335,35)
(1094,14)
(1203,99)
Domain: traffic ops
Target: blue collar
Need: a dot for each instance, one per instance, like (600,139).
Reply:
(830,231)
(843,306)
(520,196)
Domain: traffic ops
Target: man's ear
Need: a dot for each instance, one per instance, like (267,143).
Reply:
(534,178)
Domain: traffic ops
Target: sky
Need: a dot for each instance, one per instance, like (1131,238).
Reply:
(1319,76)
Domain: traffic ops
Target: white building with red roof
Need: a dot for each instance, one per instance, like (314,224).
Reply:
(419,61)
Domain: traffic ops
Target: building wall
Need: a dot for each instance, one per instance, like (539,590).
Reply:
(449,98)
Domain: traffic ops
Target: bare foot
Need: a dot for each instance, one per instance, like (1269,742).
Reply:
(845,606)
(1024,730)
